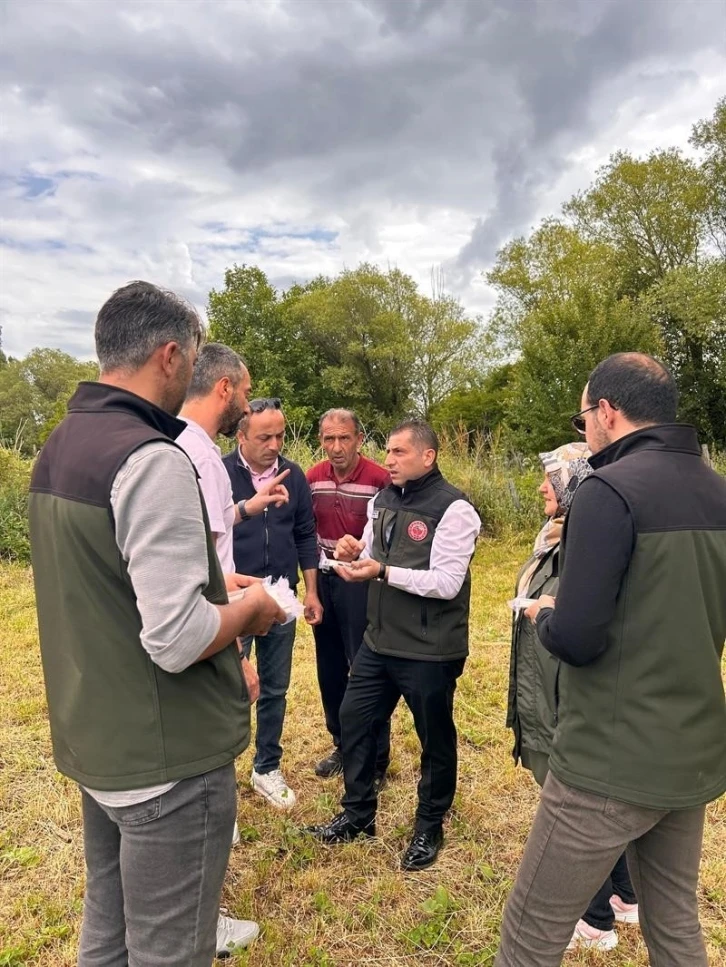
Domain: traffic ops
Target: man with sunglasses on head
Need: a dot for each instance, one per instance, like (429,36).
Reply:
(271,540)
(639,625)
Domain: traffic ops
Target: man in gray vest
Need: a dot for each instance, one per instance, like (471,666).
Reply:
(415,550)
(639,625)
(147,703)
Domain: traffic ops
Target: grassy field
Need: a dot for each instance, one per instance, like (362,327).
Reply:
(318,907)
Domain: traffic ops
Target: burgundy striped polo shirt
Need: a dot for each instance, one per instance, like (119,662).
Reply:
(340,505)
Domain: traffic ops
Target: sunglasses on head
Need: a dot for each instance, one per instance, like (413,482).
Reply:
(264,403)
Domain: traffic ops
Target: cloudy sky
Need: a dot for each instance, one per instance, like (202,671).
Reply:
(168,140)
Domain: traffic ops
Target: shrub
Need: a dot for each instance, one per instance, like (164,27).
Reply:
(14,482)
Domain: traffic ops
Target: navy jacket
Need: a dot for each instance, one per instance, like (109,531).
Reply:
(274,542)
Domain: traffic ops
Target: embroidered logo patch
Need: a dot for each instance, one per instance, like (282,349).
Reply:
(417,530)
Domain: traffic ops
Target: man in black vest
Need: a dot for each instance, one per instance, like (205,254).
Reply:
(639,625)
(415,551)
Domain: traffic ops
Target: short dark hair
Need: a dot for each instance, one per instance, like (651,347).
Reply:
(422,433)
(641,387)
(342,416)
(137,319)
(214,361)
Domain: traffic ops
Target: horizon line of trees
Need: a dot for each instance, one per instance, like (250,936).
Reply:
(635,262)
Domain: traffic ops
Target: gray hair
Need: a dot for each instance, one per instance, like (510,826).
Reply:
(214,362)
(341,416)
(137,319)
(422,433)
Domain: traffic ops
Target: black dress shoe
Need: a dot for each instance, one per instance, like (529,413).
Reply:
(330,766)
(422,850)
(340,830)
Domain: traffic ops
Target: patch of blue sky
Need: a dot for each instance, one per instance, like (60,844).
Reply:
(255,235)
(43,245)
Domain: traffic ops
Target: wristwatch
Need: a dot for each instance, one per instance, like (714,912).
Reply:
(381,573)
(243,515)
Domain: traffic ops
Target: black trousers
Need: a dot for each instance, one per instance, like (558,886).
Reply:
(600,914)
(376,684)
(337,640)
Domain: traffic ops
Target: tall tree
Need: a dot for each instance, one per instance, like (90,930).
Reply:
(652,212)
(710,137)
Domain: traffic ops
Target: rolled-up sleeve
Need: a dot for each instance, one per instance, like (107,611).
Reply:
(160,533)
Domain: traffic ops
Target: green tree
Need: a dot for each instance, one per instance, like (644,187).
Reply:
(249,315)
(652,212)
(34,392)
(448,349)
(360,325)
(689,308)
(482,406)
(710,137)
(559,306)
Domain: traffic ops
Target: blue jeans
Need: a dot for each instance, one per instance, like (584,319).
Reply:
(274,664)
(154,875)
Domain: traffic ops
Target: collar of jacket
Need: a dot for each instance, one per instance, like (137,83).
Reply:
(102,397)
(678,437)
(419,483)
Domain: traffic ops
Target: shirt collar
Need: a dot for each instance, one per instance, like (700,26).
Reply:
(200,432)
(265,474)
(352,476)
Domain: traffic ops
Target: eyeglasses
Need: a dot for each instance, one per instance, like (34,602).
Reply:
(265,403)
(578,420)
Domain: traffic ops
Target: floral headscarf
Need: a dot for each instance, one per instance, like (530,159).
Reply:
(566,468)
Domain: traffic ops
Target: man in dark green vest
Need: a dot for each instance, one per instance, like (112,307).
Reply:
(415,550)
(147,703)
(639,625)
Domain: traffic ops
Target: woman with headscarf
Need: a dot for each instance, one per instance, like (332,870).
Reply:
(533,682)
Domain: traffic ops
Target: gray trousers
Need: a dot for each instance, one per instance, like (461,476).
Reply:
(154,875)
(575,841)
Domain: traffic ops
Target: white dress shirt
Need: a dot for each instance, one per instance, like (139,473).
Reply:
(451,551)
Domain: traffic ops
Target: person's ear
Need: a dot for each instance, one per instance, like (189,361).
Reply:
(168,356)
(609,414)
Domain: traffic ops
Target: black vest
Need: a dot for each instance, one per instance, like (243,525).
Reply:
(407,625)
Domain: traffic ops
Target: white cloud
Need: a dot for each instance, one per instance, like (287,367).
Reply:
(168,140)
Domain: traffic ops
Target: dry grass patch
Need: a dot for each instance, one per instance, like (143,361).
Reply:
(318,907)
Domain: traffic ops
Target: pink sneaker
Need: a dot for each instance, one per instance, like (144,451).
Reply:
(624,912)
(592,938)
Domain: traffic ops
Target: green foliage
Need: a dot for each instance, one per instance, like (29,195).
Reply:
(433,931)
(34,392)
(14,483)
(633,265)
(366,339)
(480,407)
(710,137)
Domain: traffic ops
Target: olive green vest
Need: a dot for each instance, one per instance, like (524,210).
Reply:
(645,723)
(118,721)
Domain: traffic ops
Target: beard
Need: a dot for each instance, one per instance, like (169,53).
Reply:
(230,419)
(174,396)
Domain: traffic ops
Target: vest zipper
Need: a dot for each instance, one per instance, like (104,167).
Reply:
(424,619)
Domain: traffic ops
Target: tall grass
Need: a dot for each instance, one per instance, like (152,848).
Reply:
(501,483)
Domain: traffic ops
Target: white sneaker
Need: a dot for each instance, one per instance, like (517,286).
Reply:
(274,788)
(592,938)
(232,935)
(624,912)
(235,834)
